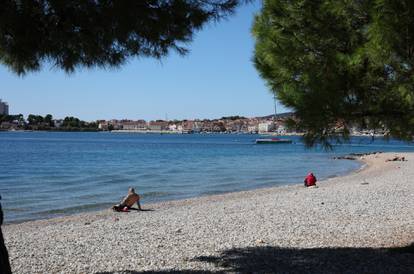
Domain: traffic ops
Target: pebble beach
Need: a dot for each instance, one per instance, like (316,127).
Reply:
(359,223)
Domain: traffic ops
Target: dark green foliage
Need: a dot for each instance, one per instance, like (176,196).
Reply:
(232,118)
(35,119)
(74,124)
(49,120)
(11,118)
(340,64)
(103,33)
(38,122)
(71,122)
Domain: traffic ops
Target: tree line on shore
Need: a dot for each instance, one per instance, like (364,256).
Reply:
(38,122)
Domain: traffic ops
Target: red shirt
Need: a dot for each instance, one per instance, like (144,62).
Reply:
(310,180)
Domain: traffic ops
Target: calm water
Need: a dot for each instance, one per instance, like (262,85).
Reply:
(46,174)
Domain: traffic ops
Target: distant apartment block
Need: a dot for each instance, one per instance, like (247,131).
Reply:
(4,108)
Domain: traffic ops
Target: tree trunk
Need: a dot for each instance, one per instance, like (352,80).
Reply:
(4,256)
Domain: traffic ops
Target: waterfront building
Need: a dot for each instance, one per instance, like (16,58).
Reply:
(266,127)
(155,127)
(158,125)
(252,129)
(172,127)
(103,125)
(197,127)
(238,125)
(4,108)
(281,129)
(134,125)
(218,126)
(188,125)
(116,124)
(206,126)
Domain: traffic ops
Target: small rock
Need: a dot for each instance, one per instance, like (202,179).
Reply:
(260,241)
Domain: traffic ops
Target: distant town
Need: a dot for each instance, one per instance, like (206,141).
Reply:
(230,124)
(271,124)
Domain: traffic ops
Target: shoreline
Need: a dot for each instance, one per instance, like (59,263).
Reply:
(161,132)
(166,202)
(363,212)
(179,201)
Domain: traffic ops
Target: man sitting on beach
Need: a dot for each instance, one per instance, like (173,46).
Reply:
(129,200)
(310,180)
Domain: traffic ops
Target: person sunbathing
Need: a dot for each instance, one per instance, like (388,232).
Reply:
(128,202)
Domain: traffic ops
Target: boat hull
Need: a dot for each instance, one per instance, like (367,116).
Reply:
(273,141)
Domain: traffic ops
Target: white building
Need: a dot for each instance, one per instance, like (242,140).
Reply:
(4,108)
(103,125)
(266,127)
(172,127)
(282,129)
(252,129)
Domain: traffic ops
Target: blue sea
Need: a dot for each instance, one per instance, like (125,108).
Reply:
(49,174)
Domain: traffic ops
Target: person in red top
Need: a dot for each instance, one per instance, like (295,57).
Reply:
(310,180)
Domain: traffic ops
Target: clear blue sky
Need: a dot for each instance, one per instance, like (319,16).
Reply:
(217,78)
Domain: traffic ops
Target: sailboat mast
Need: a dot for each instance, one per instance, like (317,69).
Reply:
(274,98)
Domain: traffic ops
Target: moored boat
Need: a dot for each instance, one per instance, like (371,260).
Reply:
(273,141)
